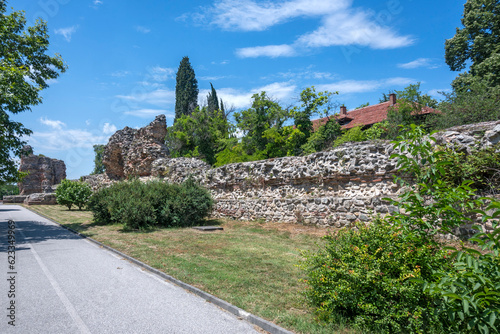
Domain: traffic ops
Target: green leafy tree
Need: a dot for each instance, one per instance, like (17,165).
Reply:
(477,104)
(98,165)
(200,134)
(71,193)
(25,69)
(323,137)
(311,103)
(264,114)
(186,89)
(477,44)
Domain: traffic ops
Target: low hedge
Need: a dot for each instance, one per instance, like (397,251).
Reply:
(140,205)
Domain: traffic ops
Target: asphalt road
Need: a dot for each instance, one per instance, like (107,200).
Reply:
(59,282)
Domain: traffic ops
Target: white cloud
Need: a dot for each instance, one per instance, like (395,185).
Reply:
(120,74)
(339,25)
(61,140)
(142,29)
(159,73)
(363,86)
(53,124)
(420,62)
(148,113)
(109,128)
(272,51)
(353,28)
(302,73)
(66,32)
(213,78)
(97,2)
(243,99)
(158,97)
(247,15)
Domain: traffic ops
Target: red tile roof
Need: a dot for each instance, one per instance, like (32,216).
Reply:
(364,116)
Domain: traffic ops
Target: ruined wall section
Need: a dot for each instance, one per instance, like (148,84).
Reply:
(43,173)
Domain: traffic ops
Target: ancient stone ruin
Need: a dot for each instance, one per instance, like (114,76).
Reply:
(330,188)
(43,173)
(131,152)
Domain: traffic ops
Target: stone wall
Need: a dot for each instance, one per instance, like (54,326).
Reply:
(324,188)
(43,173)
(334,188)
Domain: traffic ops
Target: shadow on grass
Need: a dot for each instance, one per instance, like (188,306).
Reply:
(205,222)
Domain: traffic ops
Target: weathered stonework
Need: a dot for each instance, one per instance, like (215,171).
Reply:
(131,152)
(43,173)
(332,188)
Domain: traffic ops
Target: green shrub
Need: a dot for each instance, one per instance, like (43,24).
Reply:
(481,167)
(352,135)
(377,131)
(469,290)
(139,205)
(323,137)
(71,193)
(365,276)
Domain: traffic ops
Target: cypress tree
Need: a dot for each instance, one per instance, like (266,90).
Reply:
(212,101)
(186,89)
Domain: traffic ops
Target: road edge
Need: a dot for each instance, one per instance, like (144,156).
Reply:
(253,319)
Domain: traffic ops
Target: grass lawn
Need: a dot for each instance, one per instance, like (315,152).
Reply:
(249,264)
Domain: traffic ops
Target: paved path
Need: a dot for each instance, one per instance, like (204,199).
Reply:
(61,283)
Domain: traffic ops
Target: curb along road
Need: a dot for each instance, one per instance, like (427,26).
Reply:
(253,319)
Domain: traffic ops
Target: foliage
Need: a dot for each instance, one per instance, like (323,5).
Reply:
(98,165)
(477,43)
(282,142)
(213,102)
(311,102)
(351,135)
(364,275)
(482,167)
(8,189)
(139,205)
(377,131)
(478,103)
(323,137)
(71,193)
(408,109)
(186,90)
(235,153)
(200,134)
(25,70)
(468,289)
(429,205)
(264,114)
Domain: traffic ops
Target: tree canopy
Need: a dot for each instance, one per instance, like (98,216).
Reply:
(186,89)
(478,42)
(25,69)
(98,165)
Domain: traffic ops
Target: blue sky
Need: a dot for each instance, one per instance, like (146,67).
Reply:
(122,57)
